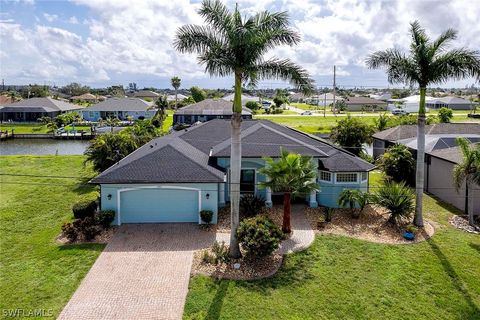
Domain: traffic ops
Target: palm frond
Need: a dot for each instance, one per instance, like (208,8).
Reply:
(443,40)
(216,14)
(400,69)
(457,64)
(285,70)
(419,36)
(197,39)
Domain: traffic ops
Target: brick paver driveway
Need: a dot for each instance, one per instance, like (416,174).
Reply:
(143,273)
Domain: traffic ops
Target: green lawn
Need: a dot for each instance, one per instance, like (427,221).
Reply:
(343,278)
(37,273)
(35,128)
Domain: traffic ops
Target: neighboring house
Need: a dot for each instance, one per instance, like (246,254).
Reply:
(245,98)
(409,104)
(206,110)
(6,100)
(297,97)
(120,108)
(357,103)
(172,178)
(87,97)
(180,97)
(31,110)
(454,103)
(322,100)
(384,96)
(146,95)
(439,166)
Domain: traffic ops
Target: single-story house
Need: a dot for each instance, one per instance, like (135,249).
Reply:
(173,177)
(87,97)
(323,100)
(384,96)
(439,166)
(6,100)
(146,94)
(453,103)
(206,110)
(357,103)
(180,97)
(120,108)
(297,97)
(409,104)
(245,98)
(30,110)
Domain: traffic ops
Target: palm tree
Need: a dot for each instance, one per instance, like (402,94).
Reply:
(428,63)
(353,197)
(292,174)
(176,81)
(397,198)
(161,105)
(234,45)
(468,171)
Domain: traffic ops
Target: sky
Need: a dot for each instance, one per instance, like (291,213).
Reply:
(114,42)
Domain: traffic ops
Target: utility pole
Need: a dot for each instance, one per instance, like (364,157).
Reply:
(324,104)
(334,91)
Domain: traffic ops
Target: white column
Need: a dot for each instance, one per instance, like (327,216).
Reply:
(313,200)
(268,200)
(221,195)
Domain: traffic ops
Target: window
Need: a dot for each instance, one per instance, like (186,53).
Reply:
(247,181)
(347,177)
(325,176)
(364,176)
(91,114)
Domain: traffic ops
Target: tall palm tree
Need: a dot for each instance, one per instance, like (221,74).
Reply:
(161,104)
(428,63)
(234,45)
(291,174)
(468,171)
(176,82)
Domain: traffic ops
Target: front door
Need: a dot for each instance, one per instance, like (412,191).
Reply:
(247,181)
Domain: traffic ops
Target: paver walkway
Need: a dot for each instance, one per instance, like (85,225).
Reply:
(143,273)
(302,234)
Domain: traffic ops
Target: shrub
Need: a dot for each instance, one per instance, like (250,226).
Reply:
(69,231)
(207,257)
(328,214)
(206,216)
(398,163)
(259,236)
(351,133)
(251,205)
(253,105)
(350,198)
(397,198)
(220,252)
(84,208)
(411,228)
(105,218)
(445,115)
(88,228)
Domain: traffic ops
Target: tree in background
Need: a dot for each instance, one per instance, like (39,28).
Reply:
(468,171)
(198,94)
(253,105)
(234,45)
(161,104)
(116,91)
(74,89)
(176,82)
(398,163)
(292,174)
(429,62)
(445,115)
(35,91)
(351,133)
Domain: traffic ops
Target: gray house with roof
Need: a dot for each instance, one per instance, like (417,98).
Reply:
(454,103)
(206,110)
(30,110)
(172,178)
(120,108)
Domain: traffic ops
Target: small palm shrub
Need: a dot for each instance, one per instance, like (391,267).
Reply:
(259,236)
(206,216)
(445,115)
(351,198)
(251,205)
(397,198)
(220,252)
(88,228)
(84,208)
(328,214)
(105,218)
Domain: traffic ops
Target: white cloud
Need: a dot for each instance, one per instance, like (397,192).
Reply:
(50,17)
(125,41)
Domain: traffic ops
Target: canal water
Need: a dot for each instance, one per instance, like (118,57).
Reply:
(42,147)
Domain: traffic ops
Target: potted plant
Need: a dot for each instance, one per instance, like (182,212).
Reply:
(410,232)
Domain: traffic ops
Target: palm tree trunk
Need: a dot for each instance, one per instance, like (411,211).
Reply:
(235,166)
(470,203)
(286,227)
(176,98)
(418,220)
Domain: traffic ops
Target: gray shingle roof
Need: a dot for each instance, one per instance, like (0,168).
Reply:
(210,107)
(146,93)
(410,131)
(185,156)
(453,154)
(362,100)
(46,104)
(121,104)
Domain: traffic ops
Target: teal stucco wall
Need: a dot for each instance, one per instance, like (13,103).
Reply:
(165,203)
(329,192)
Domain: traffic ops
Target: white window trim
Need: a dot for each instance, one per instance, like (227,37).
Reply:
(349,182)
(320,176)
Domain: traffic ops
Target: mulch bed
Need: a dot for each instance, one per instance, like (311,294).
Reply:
(371,226)
(461,222)
(104,237)
(223,224)
(250,269)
